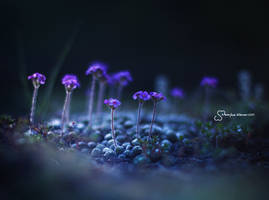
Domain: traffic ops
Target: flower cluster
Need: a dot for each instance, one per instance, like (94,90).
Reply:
(177,93)
(209,82)
(157,96)
(98,70)
(141,96)
(70,82)
(118,80)
(112,103)
(38,79)
(122,78)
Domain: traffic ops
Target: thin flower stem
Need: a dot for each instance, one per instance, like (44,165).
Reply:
(68,110)
(112,127)
(91,100)
(153,119)
(33,106)
(100,99)
(67,99)
(140,104)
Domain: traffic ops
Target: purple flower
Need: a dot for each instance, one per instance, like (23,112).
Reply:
(209,82)
(122,78)
(157,96)
(69,77)
(37,78)
(97,70)
(142,95)
(177,93)
(70,82)
(112,103)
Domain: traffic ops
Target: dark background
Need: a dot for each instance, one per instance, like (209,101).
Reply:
(185,40)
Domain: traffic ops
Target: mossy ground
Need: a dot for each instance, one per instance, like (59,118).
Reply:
(183,154)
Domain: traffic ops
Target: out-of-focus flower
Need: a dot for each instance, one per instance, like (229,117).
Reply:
(209,82)
(37,79)
(112,103)
(156,96)
(142,96)
(122,78)
(98,70)
(70,82)
(177,93)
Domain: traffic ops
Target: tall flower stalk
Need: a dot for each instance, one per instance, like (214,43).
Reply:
(97,71)
(102,87)
(141,96)
(156,97)
(68,111)
(92,91)
(37,80)
(121,79)
(112,104)
(70,82)
(208,83)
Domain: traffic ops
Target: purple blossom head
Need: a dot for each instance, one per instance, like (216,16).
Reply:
(157,96)
(209,82)
(68,77)
(141,96)
(70,82)
(38,79)
(122,78)
(177,93)
(112,103)
(97,70)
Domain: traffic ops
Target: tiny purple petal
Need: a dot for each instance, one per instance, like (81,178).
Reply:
(209,81)
(39,78)
(157,96)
